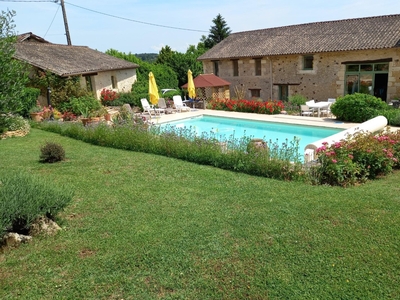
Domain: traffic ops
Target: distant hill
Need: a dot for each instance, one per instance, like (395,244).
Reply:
(148,57)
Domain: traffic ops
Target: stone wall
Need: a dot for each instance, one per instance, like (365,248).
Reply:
(124,78)
(326,80)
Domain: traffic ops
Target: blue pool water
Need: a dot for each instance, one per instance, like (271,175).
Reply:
(276,132)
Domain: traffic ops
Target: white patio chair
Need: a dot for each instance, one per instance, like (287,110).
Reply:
(179,105)
(151,109)
(326,111)
(305,110)
(310,108)
(163,105)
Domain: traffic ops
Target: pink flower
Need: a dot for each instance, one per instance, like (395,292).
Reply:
(351,156)
(334,161)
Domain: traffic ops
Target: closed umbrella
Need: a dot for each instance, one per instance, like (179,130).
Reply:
(191,88)
(153,90)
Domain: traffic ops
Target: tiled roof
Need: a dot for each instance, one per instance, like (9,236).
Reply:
(65,60)
(207,80)
(344,35)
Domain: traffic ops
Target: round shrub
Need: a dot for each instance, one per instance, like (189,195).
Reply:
(357,107)
(51,152)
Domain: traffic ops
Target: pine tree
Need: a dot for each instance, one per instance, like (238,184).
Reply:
(218,32)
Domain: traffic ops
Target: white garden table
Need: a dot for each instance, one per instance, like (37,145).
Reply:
(319,105)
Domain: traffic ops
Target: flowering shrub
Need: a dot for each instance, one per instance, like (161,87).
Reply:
(358,158)
(68,116)
(250,106)
(108,96)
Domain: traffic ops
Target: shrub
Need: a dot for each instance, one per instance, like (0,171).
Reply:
(108,96)
(10,122)
(84,105)
(392,115)
(24,198)
(51,153)
(358,158)
(297,99)
(29,99)
(125,98)
(357,107)
(250,106)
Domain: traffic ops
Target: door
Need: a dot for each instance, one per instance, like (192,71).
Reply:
(380,89)
(283,92)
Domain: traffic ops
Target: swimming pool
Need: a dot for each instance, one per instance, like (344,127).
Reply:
(223,127)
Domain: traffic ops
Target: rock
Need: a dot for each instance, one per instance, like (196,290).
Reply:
(44,225)
(13,239)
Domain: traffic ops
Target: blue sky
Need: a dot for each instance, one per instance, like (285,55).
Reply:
(102,32)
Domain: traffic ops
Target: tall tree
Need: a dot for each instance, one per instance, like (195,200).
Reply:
(165,55)
(218,32)
(13,75)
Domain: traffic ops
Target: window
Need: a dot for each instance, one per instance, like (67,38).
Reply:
(367,78)
(255,93)
(216,67)
(235,66)
(113,82)
(257,65)
(308,62)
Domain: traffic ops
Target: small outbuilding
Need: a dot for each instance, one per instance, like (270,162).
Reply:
(210,86)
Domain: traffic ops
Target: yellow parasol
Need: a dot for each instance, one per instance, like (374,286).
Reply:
(191,88)
(153,90)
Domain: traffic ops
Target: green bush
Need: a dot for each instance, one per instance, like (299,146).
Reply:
(10,122)
(297,99)
(29,100)
(125,98)
(358,158)
(84,105)
(392,115)
(51,153)
(24,198)
(357,107)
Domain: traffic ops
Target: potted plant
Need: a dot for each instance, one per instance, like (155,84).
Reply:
(36,113)
(97,114)
(85,113)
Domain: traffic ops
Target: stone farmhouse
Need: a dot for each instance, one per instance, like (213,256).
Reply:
(318,60)
(97,70)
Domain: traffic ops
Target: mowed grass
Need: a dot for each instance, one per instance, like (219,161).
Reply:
(149,227)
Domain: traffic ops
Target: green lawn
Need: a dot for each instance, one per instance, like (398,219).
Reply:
(149,227)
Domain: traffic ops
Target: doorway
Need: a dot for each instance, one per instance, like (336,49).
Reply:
(283,92)
(380,88)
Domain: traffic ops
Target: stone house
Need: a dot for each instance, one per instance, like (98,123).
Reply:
(318,60)
(96,70)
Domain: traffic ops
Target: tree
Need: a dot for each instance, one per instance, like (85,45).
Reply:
(165,76)
(218,32)
(165,55)
(13,75)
